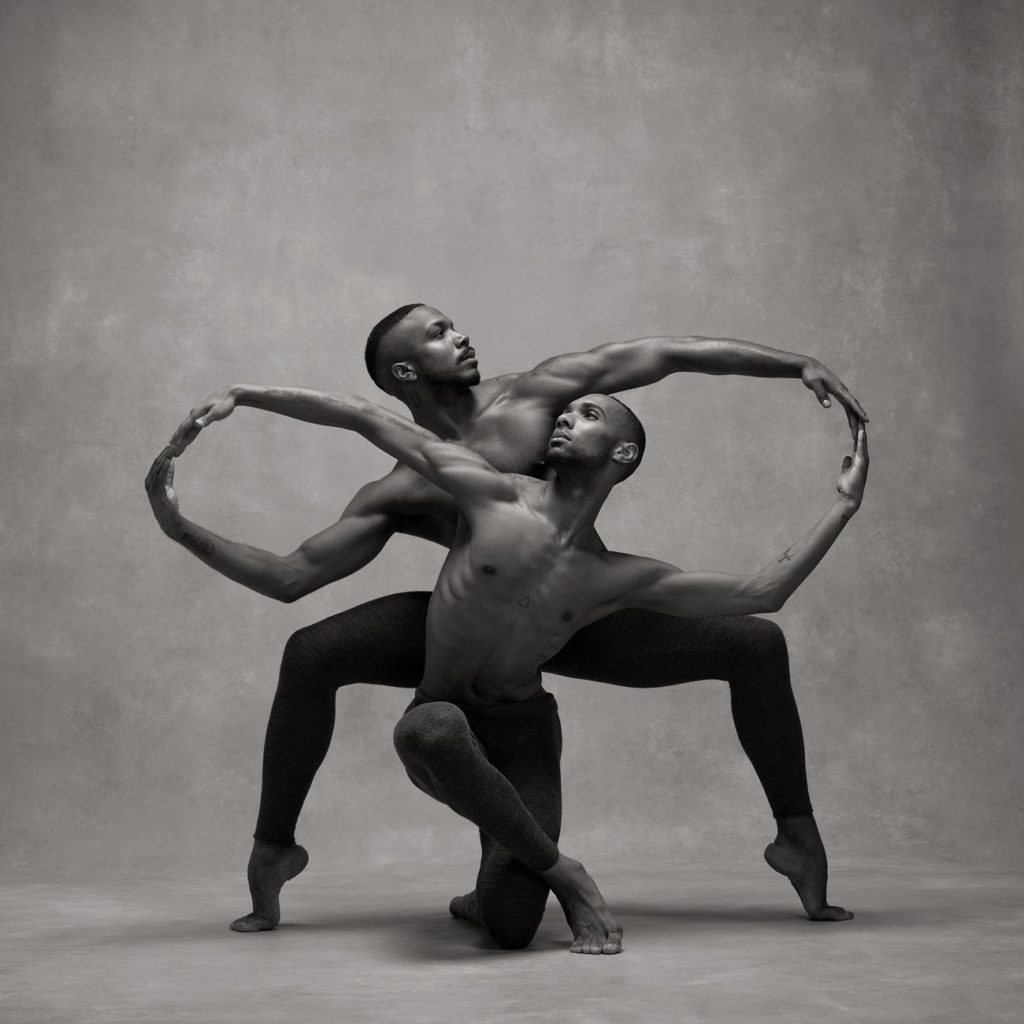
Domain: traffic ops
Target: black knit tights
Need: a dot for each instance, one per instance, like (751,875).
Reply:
(382,642)
(498,767)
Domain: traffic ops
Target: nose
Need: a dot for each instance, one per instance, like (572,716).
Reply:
(461,340)
(565,420)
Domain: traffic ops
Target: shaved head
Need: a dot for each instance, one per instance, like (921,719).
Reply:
(377,335)
(633,432)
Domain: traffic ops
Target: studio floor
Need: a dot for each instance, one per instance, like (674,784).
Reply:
(930,942)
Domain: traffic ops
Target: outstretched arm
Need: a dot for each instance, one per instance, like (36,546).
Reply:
(622,365)
(452,466)
(665,588)
(338,551)
(305,404)
(467,476)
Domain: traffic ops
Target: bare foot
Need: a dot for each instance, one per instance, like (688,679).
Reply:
(799,854)
(594,930)
(269,868)
(465,907)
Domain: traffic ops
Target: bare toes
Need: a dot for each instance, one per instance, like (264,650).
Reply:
(832,914)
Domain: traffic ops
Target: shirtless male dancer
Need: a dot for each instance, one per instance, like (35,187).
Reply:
(416,355)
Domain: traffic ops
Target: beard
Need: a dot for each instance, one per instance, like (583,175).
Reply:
(571,456)
(461,376)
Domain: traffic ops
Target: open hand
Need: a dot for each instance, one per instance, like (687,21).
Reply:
(852,479)
(160,488)
(823,382)
(217,407)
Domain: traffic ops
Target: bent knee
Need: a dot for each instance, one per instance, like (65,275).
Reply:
(510,935)
(302,653)
(765,638)
(429,728)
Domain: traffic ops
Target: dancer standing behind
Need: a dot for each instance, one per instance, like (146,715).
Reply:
(522,575)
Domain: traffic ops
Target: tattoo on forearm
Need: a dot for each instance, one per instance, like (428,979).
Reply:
(198,545)
(785,557)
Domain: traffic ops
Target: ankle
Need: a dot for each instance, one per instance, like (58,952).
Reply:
(801,834)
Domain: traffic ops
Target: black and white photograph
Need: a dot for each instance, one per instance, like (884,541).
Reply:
(511,511)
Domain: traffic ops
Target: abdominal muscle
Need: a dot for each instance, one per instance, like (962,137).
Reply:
(487,636)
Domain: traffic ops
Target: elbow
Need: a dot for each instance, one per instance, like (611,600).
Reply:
(774,598)
(764,599)
(290,589)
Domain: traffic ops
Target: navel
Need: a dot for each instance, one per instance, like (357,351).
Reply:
(490,570)
(566,616)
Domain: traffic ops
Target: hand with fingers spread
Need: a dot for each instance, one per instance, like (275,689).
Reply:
(160,488)
(852,479)
(823,382)
(218,406)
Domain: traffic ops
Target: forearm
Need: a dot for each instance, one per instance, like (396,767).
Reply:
(390,432)
(731,356)
(780,578)
(262,571)
(305,404)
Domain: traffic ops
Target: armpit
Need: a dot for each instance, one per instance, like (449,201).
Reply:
(433,528)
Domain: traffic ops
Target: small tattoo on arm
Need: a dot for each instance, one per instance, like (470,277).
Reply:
(524,602)
(785,557)
(198,545)
(845,518)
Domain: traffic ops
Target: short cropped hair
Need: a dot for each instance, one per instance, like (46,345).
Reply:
(635,434)
(380,329)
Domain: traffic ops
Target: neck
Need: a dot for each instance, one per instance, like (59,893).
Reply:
(442,409)
(576,497)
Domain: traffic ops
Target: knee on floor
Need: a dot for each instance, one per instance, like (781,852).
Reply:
(513,935)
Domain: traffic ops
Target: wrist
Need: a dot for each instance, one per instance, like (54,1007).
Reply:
(243,394)
(807,364)
(846,506)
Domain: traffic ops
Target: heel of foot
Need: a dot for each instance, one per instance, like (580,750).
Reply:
(786,862)
(297,863)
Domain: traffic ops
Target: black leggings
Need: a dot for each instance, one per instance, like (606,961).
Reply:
(496,765)
(382,642)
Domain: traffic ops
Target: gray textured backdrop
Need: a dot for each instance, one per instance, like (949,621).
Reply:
(198,194)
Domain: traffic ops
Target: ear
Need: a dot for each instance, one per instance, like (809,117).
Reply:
(404,372)
(625,453)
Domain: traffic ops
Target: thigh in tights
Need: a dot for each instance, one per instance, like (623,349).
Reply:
(381,642)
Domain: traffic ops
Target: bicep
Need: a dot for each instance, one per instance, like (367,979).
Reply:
(616,366)
(700,593)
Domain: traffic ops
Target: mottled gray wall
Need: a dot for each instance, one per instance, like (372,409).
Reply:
(197,194)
